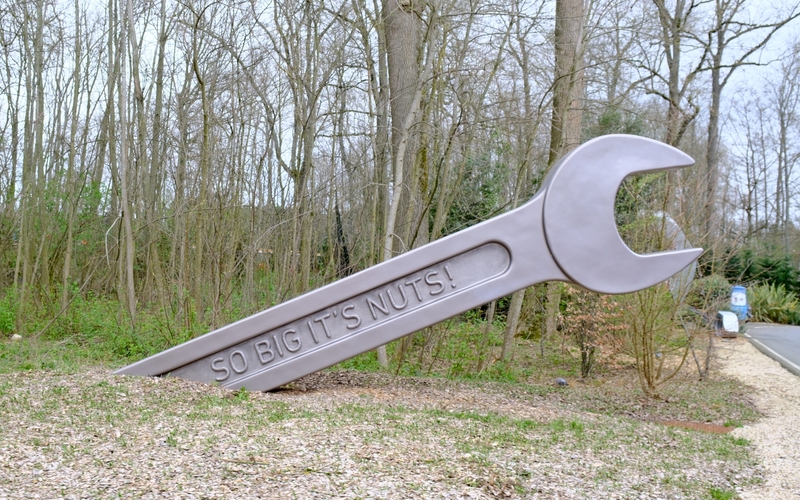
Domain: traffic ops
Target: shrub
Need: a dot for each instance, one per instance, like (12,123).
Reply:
(709,292)
(8,312)
(592,320)
(773,266)
(653,336)
(774,304)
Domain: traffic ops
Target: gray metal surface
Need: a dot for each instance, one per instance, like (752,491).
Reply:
(579,215)
(566,232)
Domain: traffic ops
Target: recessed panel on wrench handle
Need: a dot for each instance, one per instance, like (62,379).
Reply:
(444,278)
(350,321)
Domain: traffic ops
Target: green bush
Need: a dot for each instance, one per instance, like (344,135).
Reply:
(773,303)
(593,321)
(772,266)
(8,312)
(92,329)
(709,292)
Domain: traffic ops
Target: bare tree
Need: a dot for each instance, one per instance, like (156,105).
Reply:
(126,212)
(522,52)
(675,22)
(403,44)
(568,88)
(732,27)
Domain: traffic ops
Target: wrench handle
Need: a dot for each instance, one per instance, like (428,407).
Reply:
(369,309)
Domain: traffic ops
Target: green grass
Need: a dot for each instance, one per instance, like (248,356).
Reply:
(604,429)
(715,399)
(718,494)
(91,331)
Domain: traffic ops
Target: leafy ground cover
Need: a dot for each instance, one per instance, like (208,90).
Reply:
(72,429)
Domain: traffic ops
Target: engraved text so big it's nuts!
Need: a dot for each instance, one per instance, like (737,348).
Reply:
(351,317)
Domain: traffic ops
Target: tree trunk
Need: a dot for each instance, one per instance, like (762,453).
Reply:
(565,130)
(124,167)
(568,87)
(70,181)
(201,284)
(402,45)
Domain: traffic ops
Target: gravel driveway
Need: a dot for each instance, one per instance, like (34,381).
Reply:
(777,435)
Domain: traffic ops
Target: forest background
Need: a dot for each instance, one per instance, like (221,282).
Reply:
(169,167)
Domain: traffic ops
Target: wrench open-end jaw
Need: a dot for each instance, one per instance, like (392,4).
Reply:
(567,232)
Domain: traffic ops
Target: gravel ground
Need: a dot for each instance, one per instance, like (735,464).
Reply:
(777,435)
(355,435)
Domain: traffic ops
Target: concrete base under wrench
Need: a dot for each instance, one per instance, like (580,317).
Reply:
(566,232)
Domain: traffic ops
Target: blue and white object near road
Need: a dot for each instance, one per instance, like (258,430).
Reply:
(739,302)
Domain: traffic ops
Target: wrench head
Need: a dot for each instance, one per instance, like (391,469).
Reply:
(578,216)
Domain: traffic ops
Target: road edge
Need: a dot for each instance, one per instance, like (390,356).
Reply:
(793,368)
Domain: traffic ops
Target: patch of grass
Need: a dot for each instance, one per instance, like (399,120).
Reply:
(276,411)
(242,394)
(718,494)
(525,424)
(715,399)
(172,439)
(558,425)
(91,331)
(366,362)
(486,418)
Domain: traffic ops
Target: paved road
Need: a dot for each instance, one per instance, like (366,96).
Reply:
(780,342)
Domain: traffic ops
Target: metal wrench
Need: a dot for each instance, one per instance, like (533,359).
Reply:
(567,232)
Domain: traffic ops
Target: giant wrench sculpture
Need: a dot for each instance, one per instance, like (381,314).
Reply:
(567,232)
